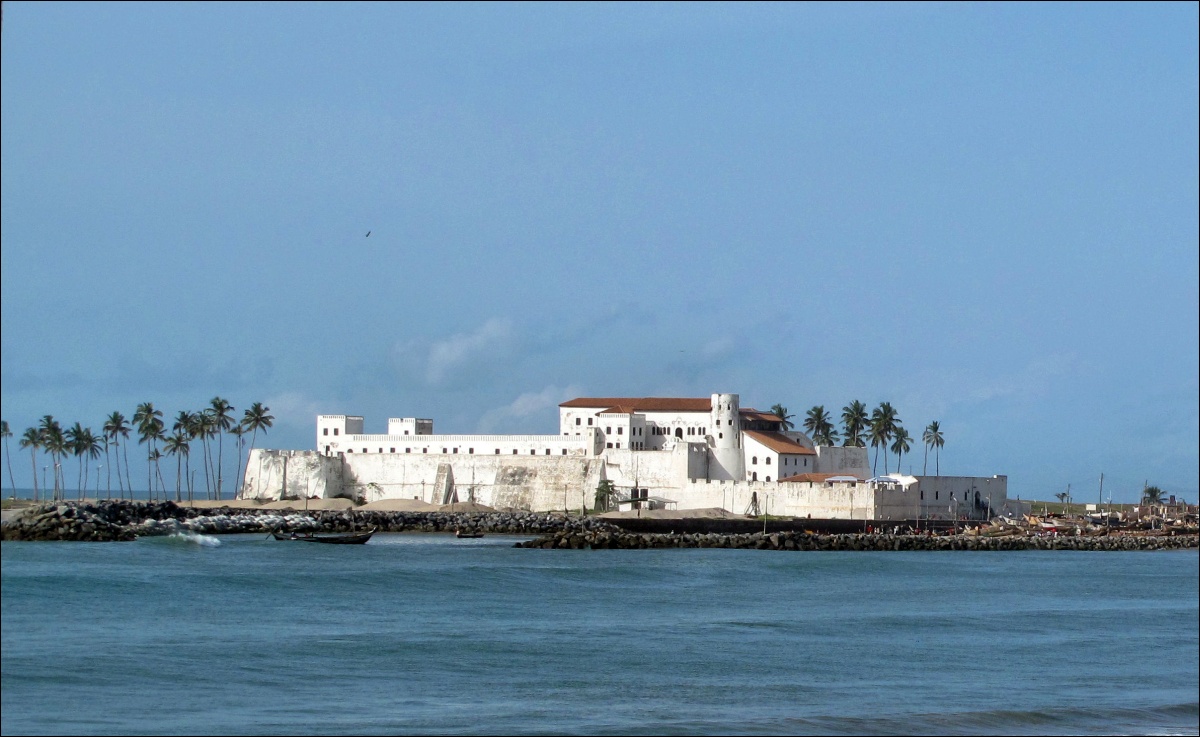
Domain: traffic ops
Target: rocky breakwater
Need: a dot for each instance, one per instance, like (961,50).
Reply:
(608,537)
(123,520)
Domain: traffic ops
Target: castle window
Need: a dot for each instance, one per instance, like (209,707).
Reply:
(364,450)
(577,421)
(497,451)
(325,431)
(326,449)
(564,451)
(608,430)
(767,461)
(620,431)
(922,494)
(349,450)
(406,432)
(768,478)
(514,451)
(335,431)
(754,461)
(424,450)
(443,450)
(608,445)
(408,450)
(532,452)
(381,450)
(471,451)
(393,450)
(936,494)
(589,422)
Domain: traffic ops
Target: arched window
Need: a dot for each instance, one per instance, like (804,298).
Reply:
(754,461)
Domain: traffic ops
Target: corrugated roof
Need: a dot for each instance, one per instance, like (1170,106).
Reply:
(779,443)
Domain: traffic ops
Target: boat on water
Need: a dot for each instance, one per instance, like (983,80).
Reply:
(468,534)
(348,538)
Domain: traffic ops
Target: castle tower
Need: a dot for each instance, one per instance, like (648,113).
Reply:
(727,462)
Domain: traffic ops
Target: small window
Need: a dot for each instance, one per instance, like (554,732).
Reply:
(497,451)
(608,430)
(532,452)
(922,494)
(589,422)
(620,431)
(754,461)
(335,431)
(392,450)
(325,431)
(577,421)
(564,451)
(514,451)
(471,451)
(408,450)
(608,445)
(936,494)
(349,450)
(443,450)
(381,450)
(547,451)
(768,478)
(406,432)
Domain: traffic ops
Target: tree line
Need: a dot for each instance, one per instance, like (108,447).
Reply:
(204,426)
(882,428)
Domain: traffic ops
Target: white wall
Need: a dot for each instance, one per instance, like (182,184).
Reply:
(843,461)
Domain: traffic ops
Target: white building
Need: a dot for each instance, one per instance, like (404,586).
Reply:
(696,452)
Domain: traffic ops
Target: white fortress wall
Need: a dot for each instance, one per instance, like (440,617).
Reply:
(848,461)
(947,497)
(273,474)
(790,499)
(535,482)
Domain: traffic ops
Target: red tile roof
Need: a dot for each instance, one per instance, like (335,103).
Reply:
(779,443)
(814,478)
(644,404)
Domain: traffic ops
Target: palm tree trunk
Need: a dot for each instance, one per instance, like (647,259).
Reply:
(33,462)
(925,465)
(178,485)
(220,453)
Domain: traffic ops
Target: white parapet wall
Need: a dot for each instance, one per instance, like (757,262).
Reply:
(296,474)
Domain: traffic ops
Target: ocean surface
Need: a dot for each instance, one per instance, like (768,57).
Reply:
(425,633)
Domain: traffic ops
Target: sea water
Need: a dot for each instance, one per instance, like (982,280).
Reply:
(423,633)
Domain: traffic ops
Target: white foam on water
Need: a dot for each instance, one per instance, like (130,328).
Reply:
(195,538)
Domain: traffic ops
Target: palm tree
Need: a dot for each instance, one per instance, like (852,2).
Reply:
(900,445)
(256,418)
(55,444)
(204,428)
(32,439)
(933,439)
(177,445)
(1152,495)
(6,434)
(114,428)
(150,426)
(782,413)
(820,427)
(89,448)
(223,417)
(854,422)
(74,438)
(884,424)
(877,436)
(239,432)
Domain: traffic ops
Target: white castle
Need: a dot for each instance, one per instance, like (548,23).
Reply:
(657,452)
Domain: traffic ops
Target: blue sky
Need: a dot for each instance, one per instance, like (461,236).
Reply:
(984,214)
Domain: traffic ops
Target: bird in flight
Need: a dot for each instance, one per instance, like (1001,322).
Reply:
(368,235)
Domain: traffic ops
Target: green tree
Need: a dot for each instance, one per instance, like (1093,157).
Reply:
(116,429)
(258,417)
(819,425)
(222,412)
(606,495)
(782,413)
(32,439)
(1152,495)
(900,445)
(883,425)
(6,434)
(150,429)
(238,431)
(177,445)
(89,448)
(56,446)
(854,423)
(932,438)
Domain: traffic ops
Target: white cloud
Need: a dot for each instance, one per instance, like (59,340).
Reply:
(526,405)
(447,356)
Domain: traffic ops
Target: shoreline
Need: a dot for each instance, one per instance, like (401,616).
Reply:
(126,521)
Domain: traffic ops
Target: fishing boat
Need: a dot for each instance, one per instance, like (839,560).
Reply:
(348,538)
(468,534)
